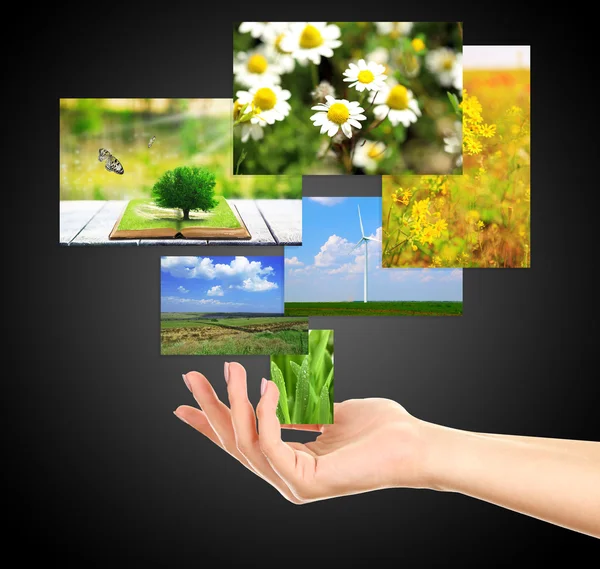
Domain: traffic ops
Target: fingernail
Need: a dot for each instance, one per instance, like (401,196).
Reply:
(263,386)
(180,418)
(226,372)
(187,383)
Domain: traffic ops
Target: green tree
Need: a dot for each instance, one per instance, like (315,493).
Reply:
(186,188)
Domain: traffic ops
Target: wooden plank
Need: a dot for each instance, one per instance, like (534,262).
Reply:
(254,222)
(98,229)
(284,219)
(74,215)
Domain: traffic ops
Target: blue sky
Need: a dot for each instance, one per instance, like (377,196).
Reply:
(325,269)
(221,284)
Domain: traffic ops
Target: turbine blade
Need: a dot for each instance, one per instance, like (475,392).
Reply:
(362,231)
(358,244)
(373,239)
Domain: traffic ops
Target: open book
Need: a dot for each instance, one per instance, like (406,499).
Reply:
(142,219)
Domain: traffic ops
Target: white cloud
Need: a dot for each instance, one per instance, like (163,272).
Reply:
(215,291)
(334,248)
(328,201)
(198,302)
(182,290)
(339,256)
(293,262)
(247,275)
(453,275)
(425,276)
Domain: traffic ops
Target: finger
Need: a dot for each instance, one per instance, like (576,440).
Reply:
(244,426)
(197,420)
(216,411)
(280,455)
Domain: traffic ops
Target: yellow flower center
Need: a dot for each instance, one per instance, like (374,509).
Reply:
(338,113)
(278,44)
(265,99)
(257,64)
(448,63)
(236,109)
(398,98)
(365,76)
(374,152)
(310,37)
(418,44)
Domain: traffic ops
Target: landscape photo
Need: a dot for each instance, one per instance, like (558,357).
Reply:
(482,218)
(326,276)
(227,305)
(345,97)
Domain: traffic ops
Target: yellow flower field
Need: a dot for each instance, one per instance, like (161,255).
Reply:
(479,219)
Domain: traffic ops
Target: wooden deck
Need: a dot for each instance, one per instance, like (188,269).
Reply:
(270,222)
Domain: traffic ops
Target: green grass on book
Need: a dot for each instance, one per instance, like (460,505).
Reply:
(143,219)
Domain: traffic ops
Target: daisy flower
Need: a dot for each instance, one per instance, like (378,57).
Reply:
(457,77)
(269,103)
(367,154)
(273,36)
(322,91)
(394,29)
(245,129)
(397,102)
(253,68)
(369,76)
(453,143)
(444,62)
(336,114)
(256,29)
(309,41)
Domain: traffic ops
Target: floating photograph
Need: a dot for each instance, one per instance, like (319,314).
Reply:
(305,383)
(337,271)
(345,97)
(158,171)
(482,218)
(228,306)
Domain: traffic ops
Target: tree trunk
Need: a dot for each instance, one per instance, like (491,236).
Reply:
(186,214)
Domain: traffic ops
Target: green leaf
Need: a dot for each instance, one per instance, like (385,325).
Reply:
(302,391)
(325,406)
(455,103)
(283,413)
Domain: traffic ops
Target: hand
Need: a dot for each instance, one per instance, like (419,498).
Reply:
(373,444)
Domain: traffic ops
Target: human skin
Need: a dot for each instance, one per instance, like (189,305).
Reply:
(376,444)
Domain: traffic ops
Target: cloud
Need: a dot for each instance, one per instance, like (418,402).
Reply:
(240,273)
(453,275)
(198,302)
(215,291)
(293,262)
(182,290)
(334,248)
(425,276)
(340,256)
(328,201)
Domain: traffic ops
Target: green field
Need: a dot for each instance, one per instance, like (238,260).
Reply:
(143,214)
(401,308)
(196,333)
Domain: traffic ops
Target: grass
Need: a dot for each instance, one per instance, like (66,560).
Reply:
(143,214)
(400,308)
(196,334)
(305,383)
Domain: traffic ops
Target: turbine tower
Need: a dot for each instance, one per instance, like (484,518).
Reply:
(366,240)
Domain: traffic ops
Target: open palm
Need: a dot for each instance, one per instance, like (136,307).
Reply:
(370,439)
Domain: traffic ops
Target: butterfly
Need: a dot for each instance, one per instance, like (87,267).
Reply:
(151,141)
(112,164)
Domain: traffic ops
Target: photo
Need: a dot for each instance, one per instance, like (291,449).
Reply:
(482,218)
(228,306)
(158,171)
(305,383)
(346,97)
(337,270)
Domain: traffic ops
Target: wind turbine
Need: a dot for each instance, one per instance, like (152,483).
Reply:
(366,241)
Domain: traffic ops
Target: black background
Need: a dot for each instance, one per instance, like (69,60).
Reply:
(103,472)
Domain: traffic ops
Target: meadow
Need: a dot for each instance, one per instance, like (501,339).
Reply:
(197,333)
(189,132)
(400,308)
(479,219)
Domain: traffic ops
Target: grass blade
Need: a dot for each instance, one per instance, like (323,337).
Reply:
(283,413)
(302,391)
(325,414)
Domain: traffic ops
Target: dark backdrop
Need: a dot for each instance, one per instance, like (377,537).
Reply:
(102,471)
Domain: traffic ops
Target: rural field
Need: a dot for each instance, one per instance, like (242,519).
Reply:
(401,308)
(199,333)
